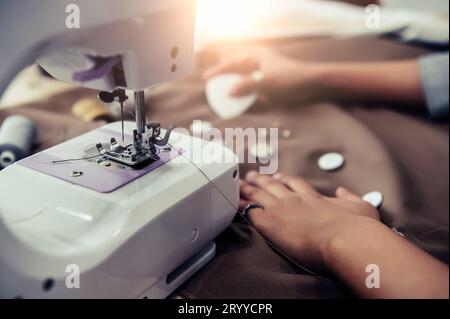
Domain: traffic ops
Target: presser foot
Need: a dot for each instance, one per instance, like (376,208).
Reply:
(123,156)
(130,155)
(143,151)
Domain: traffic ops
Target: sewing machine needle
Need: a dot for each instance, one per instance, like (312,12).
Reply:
(123,126)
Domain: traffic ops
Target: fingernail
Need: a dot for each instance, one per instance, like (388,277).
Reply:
(277,176)
(252,174)
(235,91)
(342,189)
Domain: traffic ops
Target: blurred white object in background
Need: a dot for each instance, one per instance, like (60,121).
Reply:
(239,20)
(232,20)
(218,91)
(428,21)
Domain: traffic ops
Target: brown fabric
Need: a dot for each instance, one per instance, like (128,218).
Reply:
(402,155)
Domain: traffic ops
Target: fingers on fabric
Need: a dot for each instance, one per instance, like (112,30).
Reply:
(343,193)
(273,186)
(257,195)
(298,185)
(260,218)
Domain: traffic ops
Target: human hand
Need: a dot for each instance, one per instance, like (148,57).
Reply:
(271,75)
(300,221)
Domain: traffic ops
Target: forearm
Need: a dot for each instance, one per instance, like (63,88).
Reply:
(405,270)
(391,82)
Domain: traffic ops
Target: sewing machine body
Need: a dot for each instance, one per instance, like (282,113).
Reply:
(123,231)
(143,239)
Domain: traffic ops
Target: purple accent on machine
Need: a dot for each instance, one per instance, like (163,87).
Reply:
(92,175)
(100,69)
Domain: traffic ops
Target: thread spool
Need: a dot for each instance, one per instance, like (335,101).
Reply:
(17,135)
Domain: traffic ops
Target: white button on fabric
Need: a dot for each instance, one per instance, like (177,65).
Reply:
(331,162)
(286,133)
(223,104)
(263,152)
(374,198)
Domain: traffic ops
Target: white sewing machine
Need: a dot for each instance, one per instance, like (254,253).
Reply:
(135,221)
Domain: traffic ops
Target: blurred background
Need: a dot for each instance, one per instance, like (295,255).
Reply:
(248,21)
